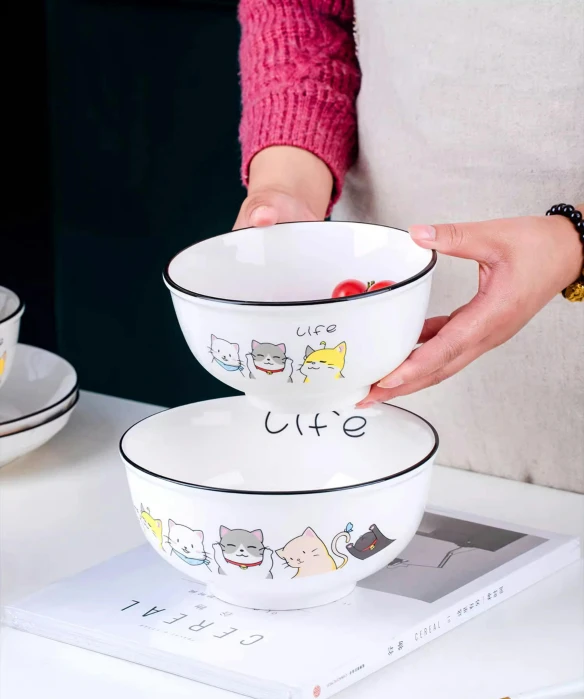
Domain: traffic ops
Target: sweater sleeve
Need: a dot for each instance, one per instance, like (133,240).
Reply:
(299,80)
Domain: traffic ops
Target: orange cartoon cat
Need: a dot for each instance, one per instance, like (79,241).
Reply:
(310,556)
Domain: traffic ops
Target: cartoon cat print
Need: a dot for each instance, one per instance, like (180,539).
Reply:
(324,365)
(310,556)
(2,359)
(269,362)
(242,553)
(187,544)
(225,354)
(151,525)
(369,544)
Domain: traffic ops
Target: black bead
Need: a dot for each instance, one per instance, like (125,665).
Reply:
(566,209)
(580,226)
(575,216)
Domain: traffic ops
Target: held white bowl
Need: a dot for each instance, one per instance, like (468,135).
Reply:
(275,511)
(13,446)
(41,385)
(11,310)
(256,310)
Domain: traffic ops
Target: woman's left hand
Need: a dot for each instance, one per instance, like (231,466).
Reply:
(523,264)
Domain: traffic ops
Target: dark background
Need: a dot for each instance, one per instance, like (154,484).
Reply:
(121,150)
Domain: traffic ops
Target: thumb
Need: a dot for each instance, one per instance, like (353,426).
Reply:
(472,241)
(263,215)
(258,210)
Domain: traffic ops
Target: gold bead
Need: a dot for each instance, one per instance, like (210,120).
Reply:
(575,292)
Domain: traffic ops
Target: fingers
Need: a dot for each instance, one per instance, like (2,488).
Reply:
(431,327)
(377,394)
(466,328)
(482,242)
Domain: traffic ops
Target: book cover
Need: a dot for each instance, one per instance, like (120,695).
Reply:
(138,608)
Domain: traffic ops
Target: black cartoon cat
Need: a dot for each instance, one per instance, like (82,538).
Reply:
(369,544)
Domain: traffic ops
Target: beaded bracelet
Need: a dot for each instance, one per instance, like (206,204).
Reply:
(575,291)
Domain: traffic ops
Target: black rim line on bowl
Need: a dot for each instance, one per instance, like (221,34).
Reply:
(20,307)
(232,491)
(316,302)
(42,424)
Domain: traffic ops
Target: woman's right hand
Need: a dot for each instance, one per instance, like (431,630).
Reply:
(286,184)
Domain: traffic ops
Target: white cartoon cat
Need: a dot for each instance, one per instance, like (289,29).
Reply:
(225,354)
(187,544)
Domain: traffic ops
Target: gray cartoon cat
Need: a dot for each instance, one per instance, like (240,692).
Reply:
(269,362)
(243,553)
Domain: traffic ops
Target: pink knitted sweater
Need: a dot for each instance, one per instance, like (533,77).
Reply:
(299,79)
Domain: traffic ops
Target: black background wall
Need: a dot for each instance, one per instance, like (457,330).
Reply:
(26,256)
(136,157)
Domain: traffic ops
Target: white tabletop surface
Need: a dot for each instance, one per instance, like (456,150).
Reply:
(66,507)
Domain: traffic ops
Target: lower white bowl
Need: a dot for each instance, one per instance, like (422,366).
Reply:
(13,446)
(279,512)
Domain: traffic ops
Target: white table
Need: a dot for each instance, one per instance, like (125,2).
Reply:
(67,507)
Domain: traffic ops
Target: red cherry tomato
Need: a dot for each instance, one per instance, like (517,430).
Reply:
(350,287)
(380,285)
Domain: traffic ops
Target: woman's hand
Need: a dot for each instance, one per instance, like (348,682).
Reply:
(285,184)
(523,264)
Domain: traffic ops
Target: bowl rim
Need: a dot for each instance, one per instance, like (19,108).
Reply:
(311,302)
(52,405)
(42,424)
(319,491)
(19,308)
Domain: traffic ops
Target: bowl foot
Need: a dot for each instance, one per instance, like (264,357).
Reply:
(309,403)
(261,600)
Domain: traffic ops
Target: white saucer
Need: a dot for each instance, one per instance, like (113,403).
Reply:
(40,386)
(13,446)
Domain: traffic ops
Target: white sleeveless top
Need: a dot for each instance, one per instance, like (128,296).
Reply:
(470,110)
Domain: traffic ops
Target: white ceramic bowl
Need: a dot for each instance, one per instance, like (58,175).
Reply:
(41,385)
(256,310)
(11,310)
(275,511)
(13,446)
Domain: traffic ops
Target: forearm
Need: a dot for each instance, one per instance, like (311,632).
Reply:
(299,79)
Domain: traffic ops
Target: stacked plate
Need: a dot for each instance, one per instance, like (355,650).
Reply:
(38,389)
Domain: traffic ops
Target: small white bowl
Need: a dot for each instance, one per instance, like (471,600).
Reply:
(275,511)
(11,310)
(41,385)
(13,446)
(256,310)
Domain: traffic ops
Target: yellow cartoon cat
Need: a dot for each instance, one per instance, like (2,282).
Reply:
(151,524)
(323,365)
